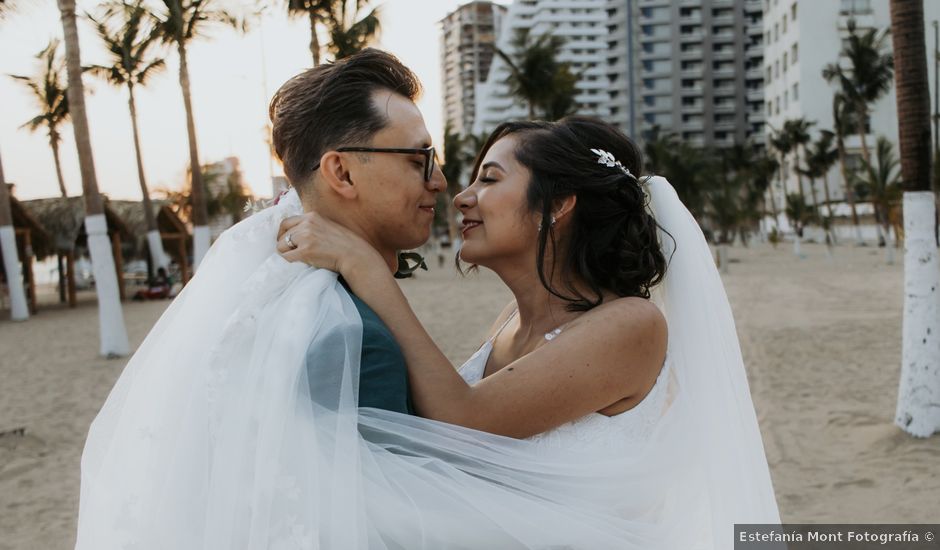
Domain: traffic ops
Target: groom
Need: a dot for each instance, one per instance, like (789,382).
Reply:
(355,147)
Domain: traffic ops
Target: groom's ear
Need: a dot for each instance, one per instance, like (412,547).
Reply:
(335,174)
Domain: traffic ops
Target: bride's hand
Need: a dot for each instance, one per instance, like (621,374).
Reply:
(314,240)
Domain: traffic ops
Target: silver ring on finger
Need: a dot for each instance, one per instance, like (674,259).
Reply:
(290,242)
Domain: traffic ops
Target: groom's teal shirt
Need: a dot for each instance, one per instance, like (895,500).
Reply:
(383,376)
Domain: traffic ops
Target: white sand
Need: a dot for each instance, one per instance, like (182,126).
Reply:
(821,339)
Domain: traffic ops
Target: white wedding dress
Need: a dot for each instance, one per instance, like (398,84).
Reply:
(215,438)
(608,433)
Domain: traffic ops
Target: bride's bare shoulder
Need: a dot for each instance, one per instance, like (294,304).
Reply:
(627,314)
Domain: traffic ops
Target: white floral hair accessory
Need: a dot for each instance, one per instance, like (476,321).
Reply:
(607,159)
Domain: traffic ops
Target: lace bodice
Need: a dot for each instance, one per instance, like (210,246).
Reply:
(624,429)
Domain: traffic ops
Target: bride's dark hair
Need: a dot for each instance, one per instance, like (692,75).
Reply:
(613,243)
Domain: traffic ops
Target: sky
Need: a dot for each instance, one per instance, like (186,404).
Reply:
(232,77)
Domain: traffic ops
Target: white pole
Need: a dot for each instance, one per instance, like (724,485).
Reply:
(918,412)
(19,311)
(110,315)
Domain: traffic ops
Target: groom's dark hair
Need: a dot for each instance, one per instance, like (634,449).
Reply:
(331,105)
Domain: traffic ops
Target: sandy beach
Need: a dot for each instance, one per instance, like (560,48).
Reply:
(821,338)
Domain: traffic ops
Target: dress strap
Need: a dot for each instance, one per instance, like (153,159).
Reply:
(501,327)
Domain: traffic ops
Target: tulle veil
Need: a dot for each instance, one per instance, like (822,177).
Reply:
(215,438)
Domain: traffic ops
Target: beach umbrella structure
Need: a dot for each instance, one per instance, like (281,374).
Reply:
(174,236)
(33,242)
(63,219)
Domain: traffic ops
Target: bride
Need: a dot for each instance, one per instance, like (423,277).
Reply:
(578,424)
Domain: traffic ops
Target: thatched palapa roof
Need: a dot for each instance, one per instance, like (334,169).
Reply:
(64,220)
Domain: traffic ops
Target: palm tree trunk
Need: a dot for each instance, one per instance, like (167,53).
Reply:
(200,214)
(314,39)
(919,389)
(849,192)
(54,143)
(812,190)
(19,311)
(154,242)
(799,175)
(862,115)
(831,230)
(110,316)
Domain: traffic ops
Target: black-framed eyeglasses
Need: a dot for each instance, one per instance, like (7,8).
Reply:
(430,157)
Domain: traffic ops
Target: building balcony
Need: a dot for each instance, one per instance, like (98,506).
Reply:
(754,51)
(756,117)
(690,91)
(651,56)
(755,95)
(691,54)
(752,6)
(691,19)
(723,54)
(694,36)
(723,91)
(725,108)
(724,72)
(723,20)
(692,109)
(696,125)
(726,126)
(754,74)
(723,37)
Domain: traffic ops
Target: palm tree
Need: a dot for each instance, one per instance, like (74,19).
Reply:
(131,64)
(799,214)
(780,142)
(111,319)
(797,131)
(19,311)
(919,392)
(883,187)
(825,155)
(454,166)
(866,79)
(688,168)
(761,172)
(534,70)
(350,33)
(316,12)
(842,123)
(179,23)
(49,89)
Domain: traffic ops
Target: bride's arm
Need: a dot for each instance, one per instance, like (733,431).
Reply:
(612,353)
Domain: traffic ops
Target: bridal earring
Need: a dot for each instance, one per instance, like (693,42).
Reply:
(551,223)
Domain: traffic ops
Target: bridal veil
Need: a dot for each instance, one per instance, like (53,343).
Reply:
(214,438)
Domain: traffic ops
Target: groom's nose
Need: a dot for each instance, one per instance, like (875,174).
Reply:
(437,183)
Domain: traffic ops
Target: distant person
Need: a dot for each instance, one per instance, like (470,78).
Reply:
(158,287)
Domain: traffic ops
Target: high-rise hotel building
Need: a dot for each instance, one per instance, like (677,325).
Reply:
(468,37)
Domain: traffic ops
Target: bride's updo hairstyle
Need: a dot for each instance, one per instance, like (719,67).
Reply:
(613,242)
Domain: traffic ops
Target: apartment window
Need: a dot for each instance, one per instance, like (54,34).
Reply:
(767,40)
(793,11)
(777,68)
(776,31)
(784,23)
(796,91)
(648,47)
(770,107)
(777,106)
(854,7)
(786,99)
(770,75)
(794,53)
(784,61)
